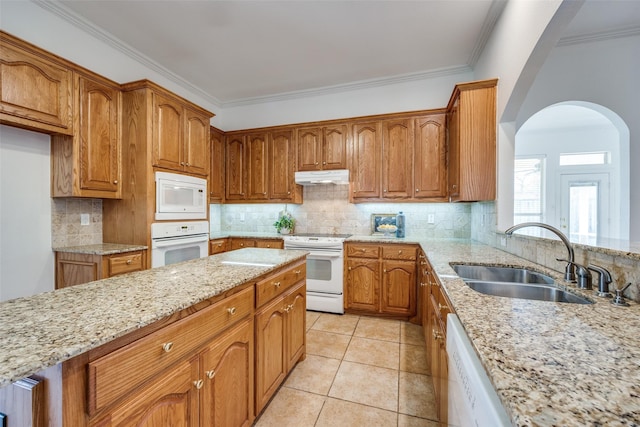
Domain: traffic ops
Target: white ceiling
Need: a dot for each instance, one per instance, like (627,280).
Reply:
(236,51)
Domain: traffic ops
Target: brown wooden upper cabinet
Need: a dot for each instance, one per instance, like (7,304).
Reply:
(36,88)
(216,173)
(181,137)
(259,167)
(87,164)
(321,148)
(399,159)
(471,116)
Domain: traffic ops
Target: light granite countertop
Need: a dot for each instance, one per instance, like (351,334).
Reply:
(43,330)
(101,249)
(552,364)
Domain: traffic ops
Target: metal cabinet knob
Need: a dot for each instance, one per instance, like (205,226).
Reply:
(198,384)
(277,284)
(167,347)
(115,181)
(211,374)
(129,262)
(231,310)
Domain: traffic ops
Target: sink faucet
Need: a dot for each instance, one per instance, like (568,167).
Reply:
(569,271)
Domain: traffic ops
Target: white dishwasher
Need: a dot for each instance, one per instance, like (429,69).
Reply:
(472,398)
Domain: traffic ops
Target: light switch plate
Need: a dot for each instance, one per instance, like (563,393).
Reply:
(84,219)
(431,219)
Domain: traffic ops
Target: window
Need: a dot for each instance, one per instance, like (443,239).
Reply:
(528,189)
(576,159)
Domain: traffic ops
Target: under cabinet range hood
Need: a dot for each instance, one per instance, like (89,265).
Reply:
(338,176)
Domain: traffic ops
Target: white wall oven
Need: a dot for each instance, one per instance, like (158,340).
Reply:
(180,197)
(173,242)
(324,269)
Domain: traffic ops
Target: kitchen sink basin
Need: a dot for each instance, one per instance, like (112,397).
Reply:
(526,291)
(501,274)
(513,282)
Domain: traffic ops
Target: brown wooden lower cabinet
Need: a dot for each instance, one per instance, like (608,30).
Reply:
(381,279)
(249,242)
(217,246)
(280,341)
(77,268)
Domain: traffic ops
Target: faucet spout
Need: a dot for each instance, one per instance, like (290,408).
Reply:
(569,272)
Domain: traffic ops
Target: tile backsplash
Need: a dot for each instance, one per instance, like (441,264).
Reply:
(66,228)
(326,209)
(624,268)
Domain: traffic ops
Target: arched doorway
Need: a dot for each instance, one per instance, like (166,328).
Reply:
(572,171)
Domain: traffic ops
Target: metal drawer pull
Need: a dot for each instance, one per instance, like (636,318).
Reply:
(297,271)
(167,347)
(231,310)
(436,335)
(277,284)
(129,262)
(198,384)
(211,374)
(442,307)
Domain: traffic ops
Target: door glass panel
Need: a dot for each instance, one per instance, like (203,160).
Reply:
(583,211)
(318,269)
(173,256)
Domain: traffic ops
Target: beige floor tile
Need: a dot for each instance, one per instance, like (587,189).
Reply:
(327,344)
(416,396)
(413,358)
(314,374)
(336,323)
(378,329)
(312,316)
(411,334)
(408,421)
(384,354)
(369,385)
(292,408)
(339,413)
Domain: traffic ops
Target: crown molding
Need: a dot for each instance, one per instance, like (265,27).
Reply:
(600,36)
(80,22)
(496,9)
(346,87)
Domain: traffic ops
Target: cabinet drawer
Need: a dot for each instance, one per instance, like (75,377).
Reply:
(217,246)
(270,243)
(402,252)
(117,373)
(124,263)
(278,283)
(362,250)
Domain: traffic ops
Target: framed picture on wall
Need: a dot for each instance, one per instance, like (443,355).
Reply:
(379,219)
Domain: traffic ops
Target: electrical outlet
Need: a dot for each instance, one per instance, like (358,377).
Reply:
(503,241)
(431,219)
(84,219)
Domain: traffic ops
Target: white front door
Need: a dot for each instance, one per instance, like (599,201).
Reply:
(585,206)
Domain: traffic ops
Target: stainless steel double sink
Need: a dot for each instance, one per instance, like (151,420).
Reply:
(513,282)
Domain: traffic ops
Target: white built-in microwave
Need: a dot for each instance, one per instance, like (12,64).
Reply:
(180,197)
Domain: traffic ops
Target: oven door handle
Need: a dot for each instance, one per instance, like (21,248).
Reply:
(178,241)
(325,254)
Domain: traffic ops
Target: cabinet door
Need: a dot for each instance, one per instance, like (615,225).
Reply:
(296,309)
(218,246)
(453,163)
(271,362)
(281,159)
(430,173)
(334,147)
(399,287)
(168,133)
(226,399)
(196,145)
(169,399)
(363,283)
(35,93)
(365,160)
(397,155)
(309,143)
(98,135)
(258,168)
(216,173)
(235,168)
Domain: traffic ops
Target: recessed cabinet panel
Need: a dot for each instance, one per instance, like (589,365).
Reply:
(397,142)
(309,149)
(258,166)
(235,168)
(334,149)
(35,93)
(216,174)
(430,175)
(282,166)
(169,136)
(196,147)
(365,158)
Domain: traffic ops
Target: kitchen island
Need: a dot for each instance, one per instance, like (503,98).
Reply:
(56,334)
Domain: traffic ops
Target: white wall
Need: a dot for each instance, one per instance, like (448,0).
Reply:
(520,43)
(603,72)
(26,258)
(398,97)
